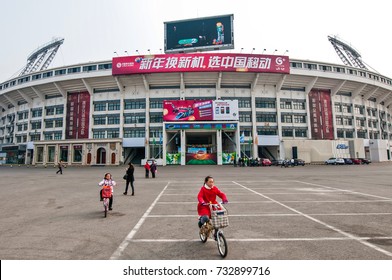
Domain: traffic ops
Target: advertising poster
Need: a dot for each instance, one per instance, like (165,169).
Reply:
(225,110)
(187,110)
(200,110)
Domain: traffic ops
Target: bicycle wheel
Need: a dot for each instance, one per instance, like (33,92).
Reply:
(203,233)
(222,244)
(106,206)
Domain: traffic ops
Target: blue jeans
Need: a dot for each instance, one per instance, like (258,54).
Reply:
(203,219)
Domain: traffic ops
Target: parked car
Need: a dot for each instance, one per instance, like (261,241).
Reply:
(334,161)
(365,160)
(277,162)
(356,161)
(298,161)
(331,160)
(347,161)
(265,162)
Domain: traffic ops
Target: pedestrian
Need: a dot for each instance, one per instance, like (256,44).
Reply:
(147,169)
(130,178)
(60,166)
(107,181)
(153,169)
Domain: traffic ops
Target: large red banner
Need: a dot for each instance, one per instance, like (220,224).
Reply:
(200,62)
(78,112)
(321,114)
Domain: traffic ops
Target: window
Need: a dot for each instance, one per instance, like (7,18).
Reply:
(299,119)
(47,74)
(349,134)
(100,106)
(267,131)
(262,117)
(156,118)
(299,132)
(243,103)
(245,117)
(262,103)
(58,123)
(113,134)
(105,66)
(36,125)
(360,122)
(89,68)
(60,110)
(287,132)
(74,70)
(139,104)
(338,108)
(361,134)
(346,108)
(297,105)
(359,110)
(155,132)
(114,119)
(50,111)
(134,118)
(99,134)
(36,113)
(285,105)
(113,106)
(134,133)
(155,104)
(60,72)
(99,120)
(49,123)
(339,120)
(58,135)
(340,133)
(348,121)
(77,153)
(287,118)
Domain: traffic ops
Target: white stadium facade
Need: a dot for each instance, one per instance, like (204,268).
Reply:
(94,114)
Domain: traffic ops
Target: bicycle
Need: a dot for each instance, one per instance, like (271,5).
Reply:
(219,219)
(106,194)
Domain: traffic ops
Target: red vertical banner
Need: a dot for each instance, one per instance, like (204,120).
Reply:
(84,115)
(320,109)
(78,111)
(326,111)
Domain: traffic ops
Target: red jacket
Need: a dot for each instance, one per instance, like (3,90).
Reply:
(208,195)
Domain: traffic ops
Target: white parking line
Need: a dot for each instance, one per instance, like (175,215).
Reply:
(348,235)
(117,254)
(264,239)
(346,191)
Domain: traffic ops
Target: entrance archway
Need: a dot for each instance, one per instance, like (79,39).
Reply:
(101,156)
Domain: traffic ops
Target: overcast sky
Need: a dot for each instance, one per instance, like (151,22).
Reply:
(95,29)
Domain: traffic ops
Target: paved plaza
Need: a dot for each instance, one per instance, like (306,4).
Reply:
(313,212)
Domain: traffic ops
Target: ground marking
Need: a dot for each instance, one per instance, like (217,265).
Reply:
(117,254)
(350,236)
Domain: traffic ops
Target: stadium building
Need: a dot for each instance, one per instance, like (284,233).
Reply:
(193,108)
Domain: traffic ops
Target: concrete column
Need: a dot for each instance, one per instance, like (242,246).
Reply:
(183,147)
(219,146)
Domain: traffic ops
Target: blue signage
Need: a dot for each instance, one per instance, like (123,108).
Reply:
(342,146)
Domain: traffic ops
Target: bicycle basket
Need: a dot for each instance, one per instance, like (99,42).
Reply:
(219,218)
(106,192)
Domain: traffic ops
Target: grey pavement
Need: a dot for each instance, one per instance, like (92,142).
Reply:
(313,212)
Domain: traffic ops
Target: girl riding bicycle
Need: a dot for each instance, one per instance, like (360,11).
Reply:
(107,181)
(207,195)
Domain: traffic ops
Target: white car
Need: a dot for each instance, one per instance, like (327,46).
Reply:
(334,161)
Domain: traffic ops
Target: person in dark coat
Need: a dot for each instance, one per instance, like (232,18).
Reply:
(130,179)
(153,169)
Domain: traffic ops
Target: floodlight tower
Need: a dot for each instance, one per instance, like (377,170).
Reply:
(45,54)
(347,54)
